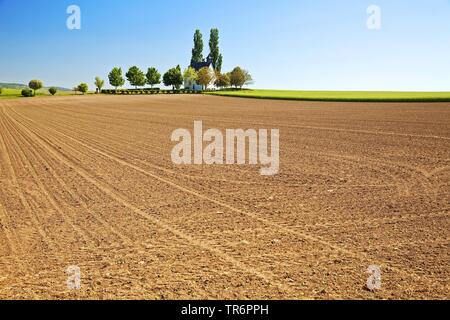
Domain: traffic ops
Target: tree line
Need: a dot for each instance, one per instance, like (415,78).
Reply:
(175,78)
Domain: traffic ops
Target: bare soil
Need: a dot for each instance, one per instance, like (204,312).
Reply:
(88,181)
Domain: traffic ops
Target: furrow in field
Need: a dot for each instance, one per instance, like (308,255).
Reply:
(86,232)
(12,240)
(32,162)
(14,156)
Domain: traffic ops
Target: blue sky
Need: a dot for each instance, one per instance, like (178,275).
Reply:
(286,44)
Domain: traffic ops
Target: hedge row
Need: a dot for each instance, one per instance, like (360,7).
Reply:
(119,91)
(147,91)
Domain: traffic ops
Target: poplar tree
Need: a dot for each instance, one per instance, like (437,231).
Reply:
(214,48)
(197,52)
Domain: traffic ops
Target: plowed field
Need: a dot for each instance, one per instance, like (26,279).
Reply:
(89,181)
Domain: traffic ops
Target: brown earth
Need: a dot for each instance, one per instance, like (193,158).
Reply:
(88,181)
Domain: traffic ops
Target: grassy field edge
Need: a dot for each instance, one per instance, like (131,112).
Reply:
(9,93)
(338,96)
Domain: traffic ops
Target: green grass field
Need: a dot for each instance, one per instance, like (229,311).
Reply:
(17,93)
(363,96)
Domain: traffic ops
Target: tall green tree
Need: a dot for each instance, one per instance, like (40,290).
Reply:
(99,83)
(214,47)
(136,77)
(115,78)
(197,52)
(219,64)
(173,78)
(153,77)
(35,85)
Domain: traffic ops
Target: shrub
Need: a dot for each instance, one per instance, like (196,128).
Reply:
(1,90)
(52,91)
(27,92)
(83,88)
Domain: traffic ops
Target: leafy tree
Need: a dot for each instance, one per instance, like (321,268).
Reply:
(173,78)
(190,76)
(237,77)
(219,64)
(205,77)
(1,90)
(153,77)
(35,85)
(115,78)
(222,81)
(52,91)
(83,88)
(136,77)
(214,47)
(99,83)
(197,52)
(75,89)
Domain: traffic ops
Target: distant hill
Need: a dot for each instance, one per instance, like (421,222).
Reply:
(21,86)
(12,85)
